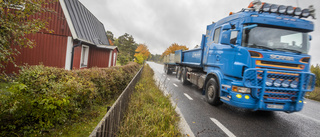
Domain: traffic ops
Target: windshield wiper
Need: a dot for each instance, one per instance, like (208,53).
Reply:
(290,50)
(260,47)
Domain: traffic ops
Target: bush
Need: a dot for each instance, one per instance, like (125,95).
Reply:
(42,97)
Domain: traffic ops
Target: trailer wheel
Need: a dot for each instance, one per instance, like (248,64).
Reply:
(178,73)
(212,92)
(184,77)
(166,69)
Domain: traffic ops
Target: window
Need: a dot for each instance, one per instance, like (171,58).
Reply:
(233,37)
(84,56)
(216,35)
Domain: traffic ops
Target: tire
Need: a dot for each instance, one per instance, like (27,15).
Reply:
(212,92)
(169,71)
(165,69)
(178,73)
(183,78)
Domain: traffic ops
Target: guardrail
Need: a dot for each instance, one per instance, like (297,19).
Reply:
(108,126)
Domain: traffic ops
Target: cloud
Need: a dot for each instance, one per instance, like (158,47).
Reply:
(159,23)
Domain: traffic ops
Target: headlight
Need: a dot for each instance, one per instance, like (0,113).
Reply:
(297,11)
(277,83)
(241,89)
(285,83)
(273,8)
(282,9)
(294,84)
(269,82)
(266,7)
(289,10)
(305,13)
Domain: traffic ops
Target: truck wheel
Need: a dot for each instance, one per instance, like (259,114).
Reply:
(184,77)
(212,92)
(165,69)
(169,70)
(178,73)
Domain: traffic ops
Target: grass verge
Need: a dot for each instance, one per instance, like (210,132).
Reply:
(150,113)
(315,94)
(83,126)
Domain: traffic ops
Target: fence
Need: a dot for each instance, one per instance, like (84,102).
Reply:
(108,126)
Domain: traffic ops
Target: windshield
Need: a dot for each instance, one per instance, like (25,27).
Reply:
(276,39)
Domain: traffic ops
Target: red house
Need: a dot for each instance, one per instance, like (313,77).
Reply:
(79,40)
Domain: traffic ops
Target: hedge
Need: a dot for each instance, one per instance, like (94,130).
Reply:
(40,98)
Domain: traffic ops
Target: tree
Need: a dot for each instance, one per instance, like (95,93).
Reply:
(155,58)
(127,47)
(173,48)
(142,53)
(17,21)
(110,37)
(143,50)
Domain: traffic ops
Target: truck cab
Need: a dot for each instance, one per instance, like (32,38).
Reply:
(256,59)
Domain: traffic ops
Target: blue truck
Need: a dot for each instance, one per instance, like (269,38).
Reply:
(255,59)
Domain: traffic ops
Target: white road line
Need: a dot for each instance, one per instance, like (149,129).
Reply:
(223,128)
(187,96)
(168,78)
(175,85)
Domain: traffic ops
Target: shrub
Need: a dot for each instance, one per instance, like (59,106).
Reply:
(42,97)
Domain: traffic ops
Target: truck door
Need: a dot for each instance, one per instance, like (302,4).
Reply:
(224,55)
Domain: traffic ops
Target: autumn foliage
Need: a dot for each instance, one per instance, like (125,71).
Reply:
(142,53)
(173,48)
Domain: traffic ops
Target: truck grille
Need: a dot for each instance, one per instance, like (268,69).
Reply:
(278,85)
(279,64)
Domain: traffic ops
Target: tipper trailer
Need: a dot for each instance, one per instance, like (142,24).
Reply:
(255,59)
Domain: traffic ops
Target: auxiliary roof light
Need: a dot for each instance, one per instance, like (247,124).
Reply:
(297,11)
(289,10)
(266,7)
(305,13)
(274,8)
(282,9)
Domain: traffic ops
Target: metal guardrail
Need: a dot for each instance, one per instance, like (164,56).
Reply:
(108,126)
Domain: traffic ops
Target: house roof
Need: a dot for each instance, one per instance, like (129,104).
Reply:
(84,26)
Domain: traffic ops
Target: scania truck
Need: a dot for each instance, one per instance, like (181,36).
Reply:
(256,59)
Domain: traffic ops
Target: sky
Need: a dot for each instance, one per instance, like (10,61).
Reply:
(160,23)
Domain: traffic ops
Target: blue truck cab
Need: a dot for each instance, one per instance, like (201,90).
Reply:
(255,59)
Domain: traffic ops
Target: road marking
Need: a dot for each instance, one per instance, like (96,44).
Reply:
(223,128)
(187,96)
(168,79)
(175,85)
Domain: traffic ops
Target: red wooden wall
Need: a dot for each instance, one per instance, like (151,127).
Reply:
(50,49)
(98,57)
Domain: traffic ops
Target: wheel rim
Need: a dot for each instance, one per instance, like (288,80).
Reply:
(210,91)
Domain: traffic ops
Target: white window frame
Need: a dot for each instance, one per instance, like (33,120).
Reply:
(84,56)
(114,58)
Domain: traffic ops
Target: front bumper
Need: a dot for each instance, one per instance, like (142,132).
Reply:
(274,98)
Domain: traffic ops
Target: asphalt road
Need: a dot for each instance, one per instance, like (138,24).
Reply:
(225,120)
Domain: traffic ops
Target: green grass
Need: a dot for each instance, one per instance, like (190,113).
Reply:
(315,94)
(150,113)
(83,126)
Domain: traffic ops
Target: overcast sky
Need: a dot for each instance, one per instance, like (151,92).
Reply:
(159,23)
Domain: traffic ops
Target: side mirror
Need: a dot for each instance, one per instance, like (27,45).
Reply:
(310,37)
(226,26)
(225,37)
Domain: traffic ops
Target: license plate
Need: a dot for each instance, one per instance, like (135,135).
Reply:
(274,106)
